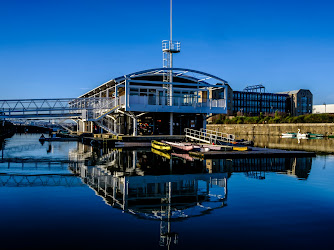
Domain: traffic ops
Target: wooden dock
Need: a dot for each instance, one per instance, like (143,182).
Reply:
(145,141)
(128,141)
(253,153)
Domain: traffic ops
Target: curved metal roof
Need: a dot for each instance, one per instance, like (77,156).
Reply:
(189,74)
(176,71)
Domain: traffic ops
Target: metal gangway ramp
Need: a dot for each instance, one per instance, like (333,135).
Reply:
(208,136)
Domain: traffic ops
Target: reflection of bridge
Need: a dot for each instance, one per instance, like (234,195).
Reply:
(18,172)
(19,180)
(166,198)
(37,162)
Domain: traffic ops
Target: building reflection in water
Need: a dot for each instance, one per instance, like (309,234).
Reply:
(257,167)
(168,187)
(150,186)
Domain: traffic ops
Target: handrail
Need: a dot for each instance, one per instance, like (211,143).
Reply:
(208,136)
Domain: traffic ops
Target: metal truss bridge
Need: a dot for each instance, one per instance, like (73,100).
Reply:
(92,109)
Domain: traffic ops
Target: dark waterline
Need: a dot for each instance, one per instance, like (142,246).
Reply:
(66,194)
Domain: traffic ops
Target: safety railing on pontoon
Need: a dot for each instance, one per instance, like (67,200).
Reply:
(208,136)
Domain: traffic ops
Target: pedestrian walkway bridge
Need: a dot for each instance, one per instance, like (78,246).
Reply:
(92,109)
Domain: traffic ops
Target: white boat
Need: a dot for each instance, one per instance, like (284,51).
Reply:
(289,135)
(182,146)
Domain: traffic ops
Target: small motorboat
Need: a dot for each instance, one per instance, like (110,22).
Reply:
(160,145)
(289,135)
(311,135)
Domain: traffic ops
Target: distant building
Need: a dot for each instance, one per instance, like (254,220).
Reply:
(254,103)
(253,100)
(323,109)
(301,101)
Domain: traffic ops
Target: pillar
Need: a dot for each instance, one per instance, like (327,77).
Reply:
(115,125)
(204,121)
(91,127)
(171,123)
(135,133)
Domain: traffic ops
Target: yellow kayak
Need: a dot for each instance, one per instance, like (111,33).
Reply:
(240,148)
(163,154)
(160,145)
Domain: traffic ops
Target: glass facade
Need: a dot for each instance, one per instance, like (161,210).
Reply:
(252,103)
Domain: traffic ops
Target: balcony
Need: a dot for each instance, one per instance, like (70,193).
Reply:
(179,105)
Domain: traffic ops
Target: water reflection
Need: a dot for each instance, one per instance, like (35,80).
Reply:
(150,186)
(257,167)
(168,187)
(325,145)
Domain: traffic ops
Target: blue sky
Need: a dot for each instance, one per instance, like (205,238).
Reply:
(56,48)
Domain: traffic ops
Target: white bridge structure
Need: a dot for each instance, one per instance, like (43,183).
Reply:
(118,105)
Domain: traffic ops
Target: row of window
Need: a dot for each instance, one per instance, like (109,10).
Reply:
(259,96)
(259,103)
(255,110)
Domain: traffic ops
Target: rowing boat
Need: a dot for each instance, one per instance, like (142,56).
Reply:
(160,145)
(240,148)
(163,154)
(179,145)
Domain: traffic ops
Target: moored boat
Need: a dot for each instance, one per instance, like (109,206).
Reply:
(161,153)
(183,156)
(241,148)
(160,145)
(181,146)
(311,135)
(215,147)
(289,135)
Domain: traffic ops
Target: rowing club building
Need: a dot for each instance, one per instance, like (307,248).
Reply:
(155,101)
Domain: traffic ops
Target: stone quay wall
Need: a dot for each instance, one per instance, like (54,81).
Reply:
(273,129)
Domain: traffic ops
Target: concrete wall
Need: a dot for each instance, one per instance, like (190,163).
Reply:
(273,129)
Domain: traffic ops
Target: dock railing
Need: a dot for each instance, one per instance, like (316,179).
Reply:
(208,136)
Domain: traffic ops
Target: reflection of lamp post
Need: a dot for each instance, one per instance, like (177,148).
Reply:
(325,106)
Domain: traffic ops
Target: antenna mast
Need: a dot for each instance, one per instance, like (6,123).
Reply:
(169,47)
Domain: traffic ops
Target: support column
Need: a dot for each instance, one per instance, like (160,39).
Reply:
(126,94)
(171,123)
(204,121)
(115,125)
(78,125)
(135,133)
(91,127)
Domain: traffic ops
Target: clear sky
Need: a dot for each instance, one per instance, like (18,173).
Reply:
(63,48)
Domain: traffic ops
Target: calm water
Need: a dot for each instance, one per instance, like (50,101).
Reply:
(66,194)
